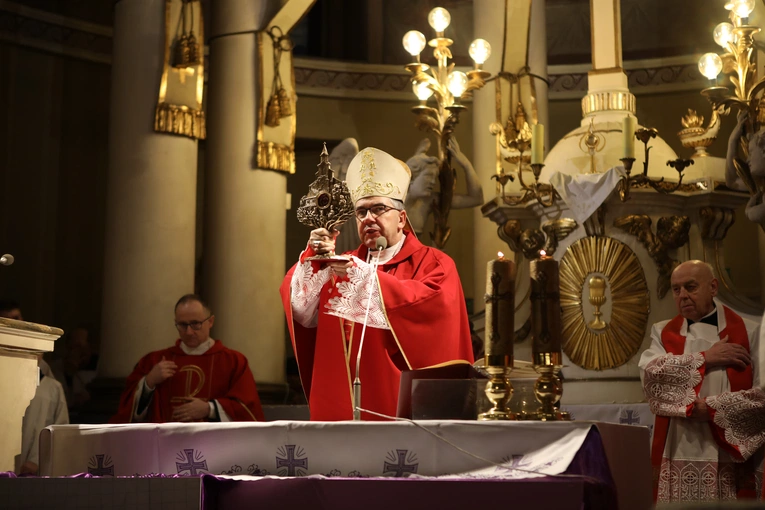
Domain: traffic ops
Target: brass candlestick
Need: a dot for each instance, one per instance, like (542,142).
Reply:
(498,344)
(546,345)
(548,389)
(499,390)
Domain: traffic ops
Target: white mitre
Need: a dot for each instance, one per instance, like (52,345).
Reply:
(375,173)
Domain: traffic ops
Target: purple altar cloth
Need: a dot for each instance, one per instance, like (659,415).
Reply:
(589,485)
(551,493)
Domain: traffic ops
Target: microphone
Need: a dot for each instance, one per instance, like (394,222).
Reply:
(380,244)
(7,259)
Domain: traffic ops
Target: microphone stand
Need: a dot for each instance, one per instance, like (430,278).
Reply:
(357,382)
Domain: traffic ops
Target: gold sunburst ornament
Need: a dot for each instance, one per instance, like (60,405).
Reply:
(623,331)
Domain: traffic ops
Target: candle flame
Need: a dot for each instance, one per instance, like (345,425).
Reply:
(542,253)
(500,255)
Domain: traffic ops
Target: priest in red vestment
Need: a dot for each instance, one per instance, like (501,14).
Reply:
(416,314)
(197,379)
(702,376)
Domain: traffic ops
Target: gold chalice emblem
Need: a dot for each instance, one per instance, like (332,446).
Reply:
(597,299)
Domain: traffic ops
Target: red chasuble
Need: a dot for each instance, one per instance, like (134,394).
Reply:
(220,374)
(424,307)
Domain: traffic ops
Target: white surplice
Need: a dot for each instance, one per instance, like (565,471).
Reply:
(694,467)
(48,407)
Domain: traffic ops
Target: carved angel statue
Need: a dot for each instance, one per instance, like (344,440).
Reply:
(748,174)
(532,240)
(421,193)
(421,196)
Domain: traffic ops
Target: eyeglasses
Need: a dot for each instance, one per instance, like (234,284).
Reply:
(376,211)
(195,325)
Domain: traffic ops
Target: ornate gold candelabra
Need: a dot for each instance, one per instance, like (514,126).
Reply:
(642,180)
(447,86)
(517,137)
(738,62)
(544,193)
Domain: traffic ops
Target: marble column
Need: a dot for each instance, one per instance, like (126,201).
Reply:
(151,199)
(245,207)
(489,23)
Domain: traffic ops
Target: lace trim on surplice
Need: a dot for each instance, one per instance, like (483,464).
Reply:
(355,293)
(670,381)
(305,288)
(742,415)
(691,480)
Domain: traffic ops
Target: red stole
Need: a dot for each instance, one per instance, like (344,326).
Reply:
(674,343)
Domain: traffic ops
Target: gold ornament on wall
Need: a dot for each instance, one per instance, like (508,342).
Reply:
(532,240)
(279,104)
(618,338)
(179,103)
(671,234)
(186,52)
(597,299)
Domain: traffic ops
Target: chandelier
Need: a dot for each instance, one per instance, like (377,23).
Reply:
(738,62)
(440,93)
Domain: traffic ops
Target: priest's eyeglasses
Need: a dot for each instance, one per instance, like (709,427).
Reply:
(195,325)
(376,211)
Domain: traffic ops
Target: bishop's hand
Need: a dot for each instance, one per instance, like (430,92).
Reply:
(322,241)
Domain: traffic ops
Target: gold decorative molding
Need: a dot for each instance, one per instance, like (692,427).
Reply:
(272,156)
(695,136)
(622,334)
(608,101)
(532,240)
(180,120)
(671,233)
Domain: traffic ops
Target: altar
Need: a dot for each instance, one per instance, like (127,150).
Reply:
(277,460)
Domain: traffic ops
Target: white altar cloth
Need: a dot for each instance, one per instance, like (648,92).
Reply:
(344,449)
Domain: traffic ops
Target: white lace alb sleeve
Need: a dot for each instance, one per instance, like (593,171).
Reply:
(305,289)
(742,415)
(355,293)
(669,383)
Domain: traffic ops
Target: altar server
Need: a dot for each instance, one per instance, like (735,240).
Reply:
(702,377)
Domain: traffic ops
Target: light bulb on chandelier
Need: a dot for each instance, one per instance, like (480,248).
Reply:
(479,51)
(743,8)
(457,84)
(439,18)
(710,65)
(422,91)
(414,43)
(723,34)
